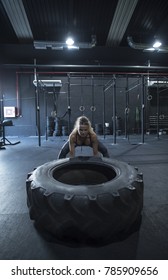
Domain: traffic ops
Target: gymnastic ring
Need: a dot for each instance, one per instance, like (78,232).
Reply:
(82,108)
(85,200)
(149,97)
(161,117)
(93,108)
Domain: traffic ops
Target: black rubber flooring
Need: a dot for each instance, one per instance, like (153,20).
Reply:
(19,240)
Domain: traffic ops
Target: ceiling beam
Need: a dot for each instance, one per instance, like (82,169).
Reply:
(18,19)
(121,19)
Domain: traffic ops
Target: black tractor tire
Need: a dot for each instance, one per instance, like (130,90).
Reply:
(89,200)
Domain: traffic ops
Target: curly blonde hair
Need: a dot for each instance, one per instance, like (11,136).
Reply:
(83,120)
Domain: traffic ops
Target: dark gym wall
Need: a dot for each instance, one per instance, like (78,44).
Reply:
(17,91)
(85,94)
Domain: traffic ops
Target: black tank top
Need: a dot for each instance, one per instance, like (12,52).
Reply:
(83,143)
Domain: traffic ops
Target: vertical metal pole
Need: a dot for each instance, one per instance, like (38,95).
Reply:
(146,79)
(46,113)
(69,104)
(142,109)
(157,110)
(1,119)
(2,108)
(126,108)
(104,108)
(114,110)
(38,113)
(82,106)
(37,101)
(92,106)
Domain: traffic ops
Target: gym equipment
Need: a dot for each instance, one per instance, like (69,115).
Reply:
(4,140)
(85,199)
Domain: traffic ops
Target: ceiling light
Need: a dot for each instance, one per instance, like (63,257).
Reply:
(147,47)
(69,41)
(157,44)
(69,44)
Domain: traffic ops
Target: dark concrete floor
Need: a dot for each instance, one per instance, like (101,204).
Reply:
(19,240)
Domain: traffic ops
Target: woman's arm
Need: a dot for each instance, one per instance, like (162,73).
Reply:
(95,145)
(72,145)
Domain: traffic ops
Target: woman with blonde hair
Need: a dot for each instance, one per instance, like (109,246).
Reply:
(83,135)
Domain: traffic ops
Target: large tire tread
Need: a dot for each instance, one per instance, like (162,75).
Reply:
(89,217)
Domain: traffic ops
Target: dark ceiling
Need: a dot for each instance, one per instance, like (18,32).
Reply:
(100,28)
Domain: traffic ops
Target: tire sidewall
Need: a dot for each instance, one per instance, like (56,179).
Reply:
(43,177)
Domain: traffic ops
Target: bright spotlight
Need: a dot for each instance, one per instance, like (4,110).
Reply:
(157,44)
(69,41)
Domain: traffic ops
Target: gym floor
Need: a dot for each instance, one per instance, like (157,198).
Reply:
(19,240)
